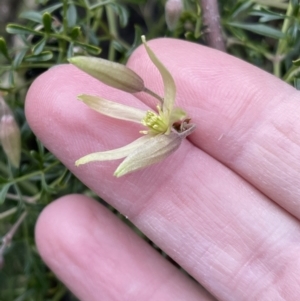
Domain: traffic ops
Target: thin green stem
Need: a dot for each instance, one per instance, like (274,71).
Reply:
(97,19)
(111,18)
(154,95)
(26,199)
(10,234)
(34,174)
(62,41)
(272,3)
(282,43)
(8,212)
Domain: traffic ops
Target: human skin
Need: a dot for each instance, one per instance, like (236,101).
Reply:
(225,206)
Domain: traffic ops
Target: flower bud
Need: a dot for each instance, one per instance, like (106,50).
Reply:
(173,10)
(10,139)
(110,73)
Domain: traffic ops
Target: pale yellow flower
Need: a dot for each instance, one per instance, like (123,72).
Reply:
(165,128)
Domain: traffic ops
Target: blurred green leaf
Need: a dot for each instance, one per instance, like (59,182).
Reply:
(32,16)
(190,36)
(240,8)
(239,33)
(293,33)
(47,22)
(39,47)
(6,89)
(297,62)
(3,48)
(3,192)
(122,12)
(295,4)
(11,79)
(41,57)
(19,57)
(137,40)
(297,83)
(3,180)
(70,52)
(97,4)
(75,32)
(71,15)
(52,8)
(260,29)
(18,29)
(95,50)
(267,15)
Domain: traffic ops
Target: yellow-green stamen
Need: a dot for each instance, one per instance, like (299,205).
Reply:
(156,123)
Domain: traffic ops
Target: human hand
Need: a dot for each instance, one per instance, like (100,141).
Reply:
(225,206)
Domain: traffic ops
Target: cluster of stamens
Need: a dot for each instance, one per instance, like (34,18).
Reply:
(155,122)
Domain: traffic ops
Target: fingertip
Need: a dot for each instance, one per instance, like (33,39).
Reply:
(58,225)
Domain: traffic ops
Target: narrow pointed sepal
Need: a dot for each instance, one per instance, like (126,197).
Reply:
(114,154)
(110,73)
(155,150)
(113,109)
(169,84)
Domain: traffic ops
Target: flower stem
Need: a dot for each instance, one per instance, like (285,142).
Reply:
(154,95)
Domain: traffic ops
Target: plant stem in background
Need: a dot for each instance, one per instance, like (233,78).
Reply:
(6,240)
(211,20)
(111,19)
(282,43)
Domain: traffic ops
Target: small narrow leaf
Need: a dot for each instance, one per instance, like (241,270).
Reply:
(47,22)
(122,12)
(297,83)
(75,33)
(71,15)
(92,49)
(261,29)
(137,40)
(52,8)
(32,16)
(3,48)
(3,192)
(11,79)
(266,15)
(70,51)
(18,29)
(39,46)
(19,57)
(43,56)
(6,89)
(240,8)
(297,62)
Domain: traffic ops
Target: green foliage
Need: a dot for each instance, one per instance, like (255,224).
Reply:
(262,32)
(265,33)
